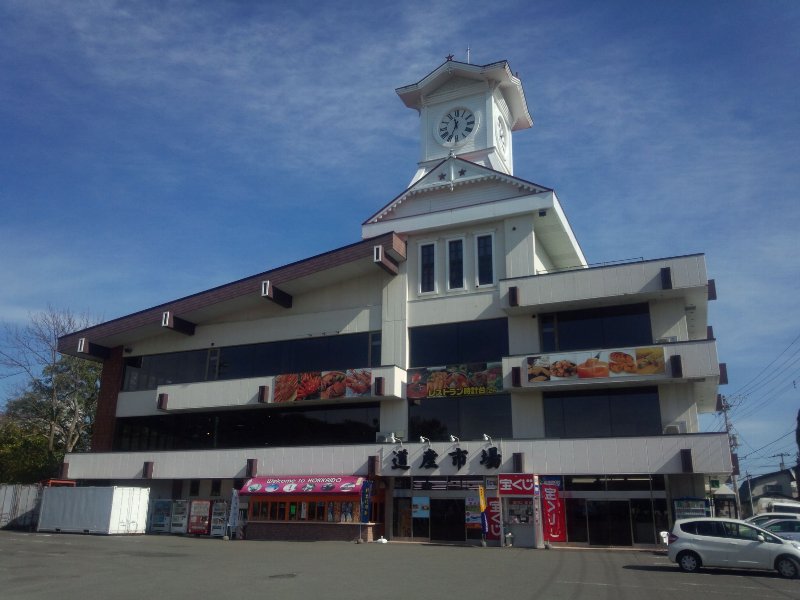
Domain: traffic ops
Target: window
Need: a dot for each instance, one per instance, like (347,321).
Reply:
(603,327)
(484,251)
(602,413)
(456,343)
(194,487)
(465,418)
(355,350)
(216,487)
(427,268)
(290,426)
(455,264)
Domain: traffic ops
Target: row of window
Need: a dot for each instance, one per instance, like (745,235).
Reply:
(300,426)
(599,327)
(451,343)
(627,412)
(305,509)
(350,351)
(455,264)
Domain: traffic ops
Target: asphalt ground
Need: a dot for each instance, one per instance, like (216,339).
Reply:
(66,567)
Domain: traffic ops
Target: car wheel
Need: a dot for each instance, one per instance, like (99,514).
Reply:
(787,567)
(688,562)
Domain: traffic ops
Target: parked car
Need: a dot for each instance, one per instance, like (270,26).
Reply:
(762,518)
(788,529)
(715,542)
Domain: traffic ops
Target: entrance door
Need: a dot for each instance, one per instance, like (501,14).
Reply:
(447,520)
(609,522)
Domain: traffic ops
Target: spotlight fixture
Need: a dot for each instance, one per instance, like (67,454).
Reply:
(454,439)
(423,440)
(487,438)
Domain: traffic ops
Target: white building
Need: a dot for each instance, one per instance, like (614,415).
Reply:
(466,322)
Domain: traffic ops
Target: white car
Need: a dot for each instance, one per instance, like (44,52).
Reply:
(762,518)
(710,542)
(788,529)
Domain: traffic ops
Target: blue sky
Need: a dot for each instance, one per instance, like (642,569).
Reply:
(151,150)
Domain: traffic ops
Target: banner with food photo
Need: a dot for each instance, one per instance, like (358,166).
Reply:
(474,379)
(616,362)
(322,385)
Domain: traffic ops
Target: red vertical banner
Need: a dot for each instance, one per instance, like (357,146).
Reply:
(494,519)
(555,529)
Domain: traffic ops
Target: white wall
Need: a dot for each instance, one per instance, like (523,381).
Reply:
(668,318)
(353,306)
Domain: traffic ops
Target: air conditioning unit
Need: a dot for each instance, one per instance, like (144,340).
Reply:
(388,437)
(675,428)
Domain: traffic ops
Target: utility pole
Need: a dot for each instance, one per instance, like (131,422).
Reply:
(724,406)
(750,493)
(781,455)
(797,439)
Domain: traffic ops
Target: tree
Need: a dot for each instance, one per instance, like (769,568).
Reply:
(56,404)
(24,458)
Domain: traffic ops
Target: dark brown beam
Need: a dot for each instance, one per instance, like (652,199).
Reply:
(380,258)
(94,350)
(277,295)
(170,321)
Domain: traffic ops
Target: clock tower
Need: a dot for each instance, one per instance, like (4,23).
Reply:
(468,111)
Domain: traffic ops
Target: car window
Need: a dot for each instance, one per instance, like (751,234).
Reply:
(784,526)
(742,532)
(707,528)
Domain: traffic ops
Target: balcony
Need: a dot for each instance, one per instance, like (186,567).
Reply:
(383,383)
(679,277)
(693,362)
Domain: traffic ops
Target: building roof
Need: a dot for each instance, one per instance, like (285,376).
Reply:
(496,73)
(270,290)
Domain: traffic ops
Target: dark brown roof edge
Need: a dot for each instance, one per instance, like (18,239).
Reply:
(252,284)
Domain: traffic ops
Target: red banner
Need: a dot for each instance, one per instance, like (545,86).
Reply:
(554,514)
(515,484)
(493,518)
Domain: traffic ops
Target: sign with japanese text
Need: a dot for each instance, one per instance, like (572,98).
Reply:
(613,363)
(366,502)
(515,484)
(554,513)
(494,519)
(475,379)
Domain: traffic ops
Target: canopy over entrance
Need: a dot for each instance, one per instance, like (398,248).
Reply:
(304,484)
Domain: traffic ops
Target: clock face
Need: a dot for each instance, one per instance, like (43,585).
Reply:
(501,133)
(456,126)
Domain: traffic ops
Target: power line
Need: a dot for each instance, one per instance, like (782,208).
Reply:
(787,434)
(741,390)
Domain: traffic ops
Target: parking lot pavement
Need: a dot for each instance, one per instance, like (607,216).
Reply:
(67,567)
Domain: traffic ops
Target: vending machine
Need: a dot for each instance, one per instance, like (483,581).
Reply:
(180,516)
(160,516)
(219,518)
(200,517)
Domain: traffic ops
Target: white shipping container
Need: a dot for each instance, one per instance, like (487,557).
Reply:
(106,510)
